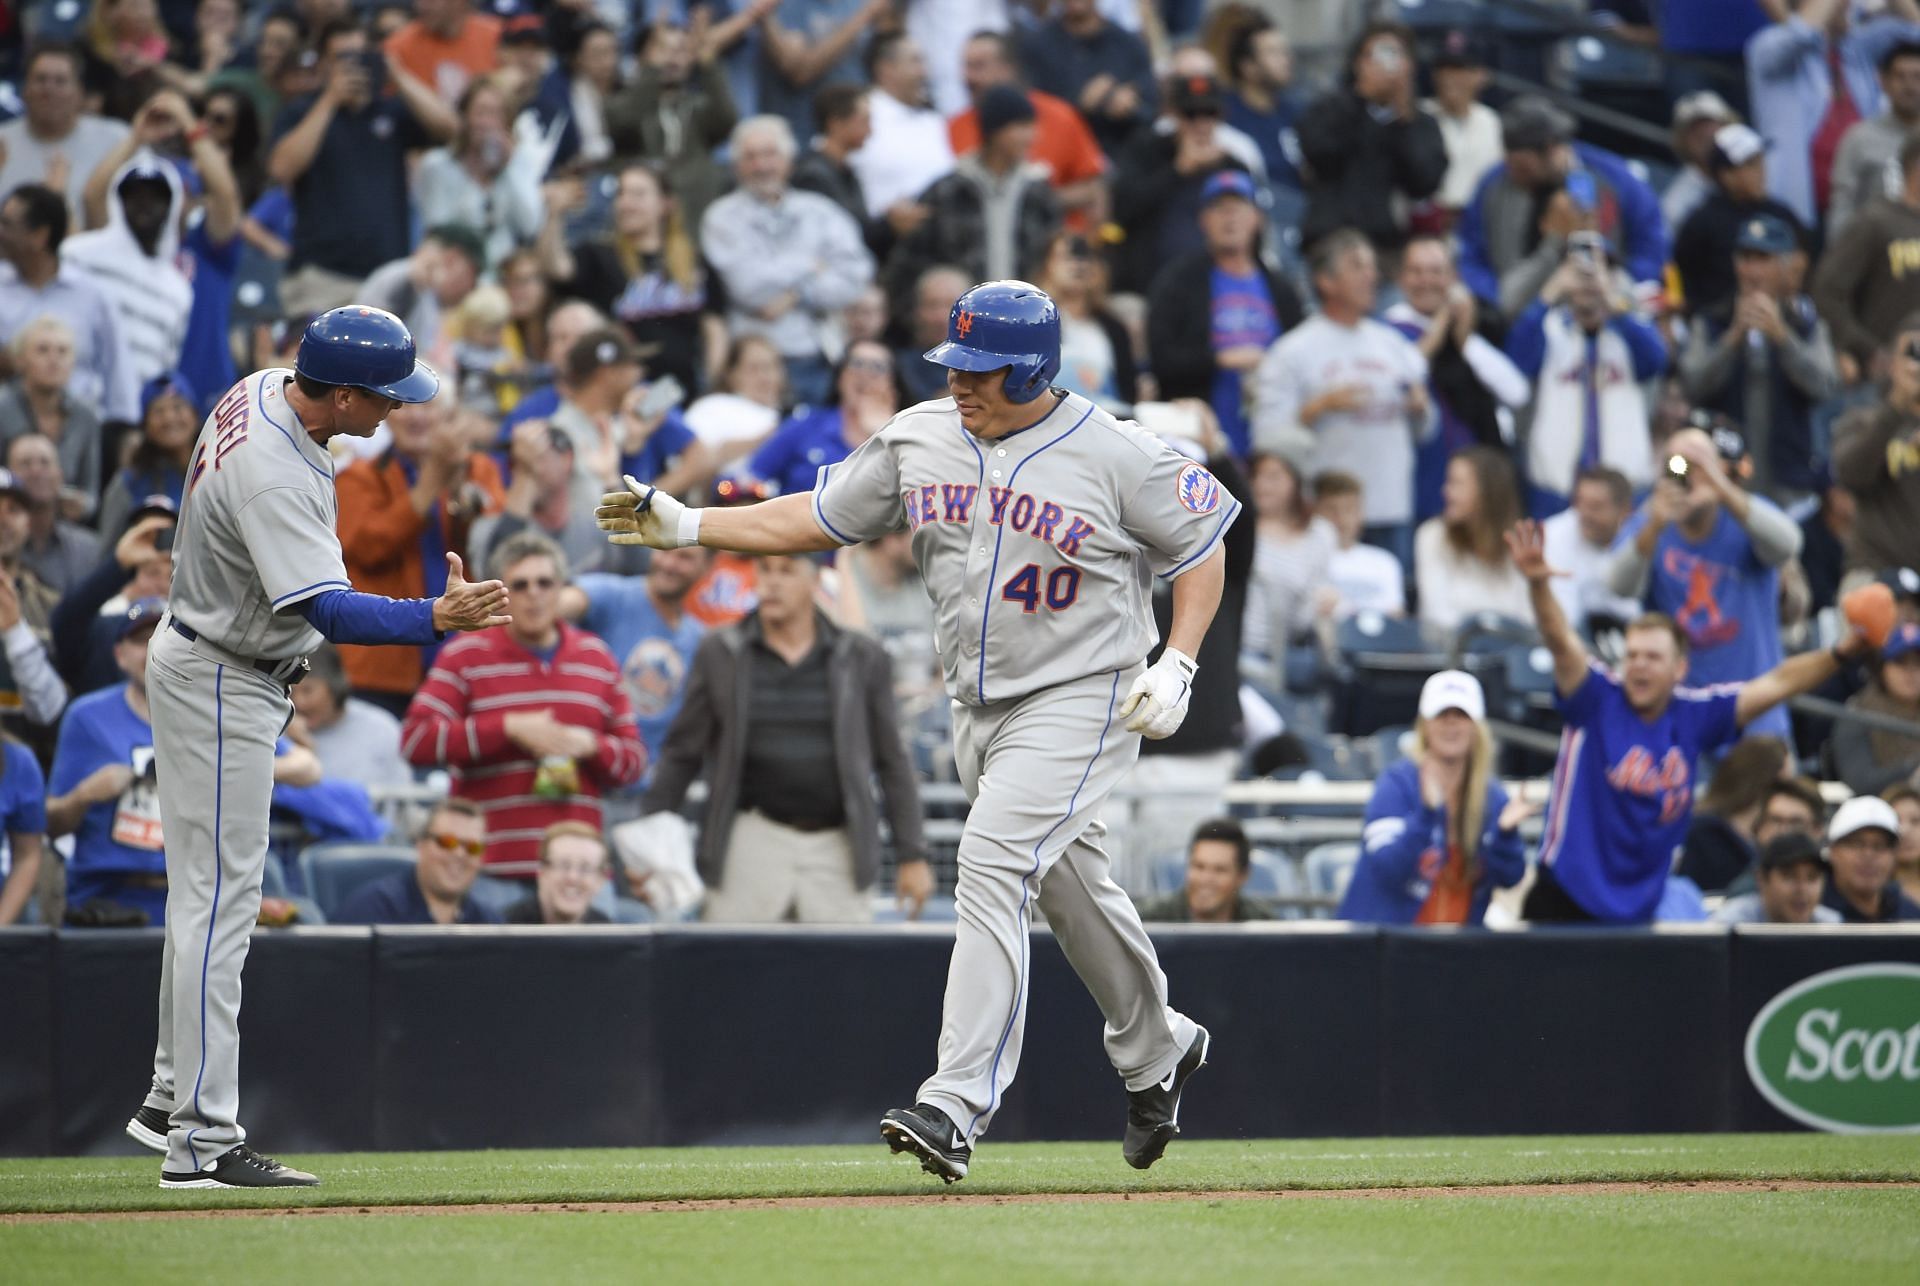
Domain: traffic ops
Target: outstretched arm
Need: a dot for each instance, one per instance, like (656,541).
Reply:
(1528,547)
(646,515)
(1793,676)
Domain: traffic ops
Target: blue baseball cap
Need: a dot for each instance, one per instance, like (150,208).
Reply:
(172,383)
(140,612)
(1765,234)
(1904,639)
(1228,183)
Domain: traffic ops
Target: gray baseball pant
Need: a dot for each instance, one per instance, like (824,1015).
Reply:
(215,721)
(1037,770)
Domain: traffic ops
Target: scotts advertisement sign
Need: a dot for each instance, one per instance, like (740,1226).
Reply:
(1841,1050)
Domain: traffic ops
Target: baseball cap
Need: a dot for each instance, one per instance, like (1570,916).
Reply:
(599,349)
(1453,690)
(1791,849)
(1195,96)
(1904,639)
(10,485)
(1227,183)
(1532,124)
(1863,813)
(173,384)
(1765,234)
(151,505)
(144,172)
(1735,145)
(1728,439)
(141,611)
(1702,105)
(1457,48)
(1001,106)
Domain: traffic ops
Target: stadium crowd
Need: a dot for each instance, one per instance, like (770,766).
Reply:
(1538,437)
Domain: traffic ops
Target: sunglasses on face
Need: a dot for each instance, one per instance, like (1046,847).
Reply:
(531,582)
(453,843)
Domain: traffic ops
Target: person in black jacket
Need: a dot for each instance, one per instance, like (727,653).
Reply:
(1159,178)
(1703,246)
(1213,312)
(1721,845)
(1369,149)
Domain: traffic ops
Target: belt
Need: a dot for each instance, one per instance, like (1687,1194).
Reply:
(281,671)
(805,825)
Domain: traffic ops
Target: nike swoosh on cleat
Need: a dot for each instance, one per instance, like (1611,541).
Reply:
(1168,1083)
(959,1140)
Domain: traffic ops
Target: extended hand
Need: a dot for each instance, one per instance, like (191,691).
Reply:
(469,605)
(1528,546)
(913,885)
(1157,703)
(642,515)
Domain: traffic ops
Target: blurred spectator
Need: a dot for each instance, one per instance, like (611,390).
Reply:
(1707,554)
(439,888)
(1356,385)
(1788,877)
(603,415)
(1161,178)
(1460,555)
(355,740)
(1865,285)
(1514,233)
(479,180)
(531,719)
(791,829)
(1810,76)
(746,403)
(1360,577)
(1475,387)
(541,498)
(400,515)
(864,399)
(1061,140)
(566,324)
(925,325)
(1579,546)
(36,402)
(278,47)
(1722,842)
(1793,806)
(644,622)
(1623,789)
(1868,759)
(1292,553)
(1906,853)
(1876,456)
(674,113)
(993,215)
(1867,163)
(133,261)
(592,80)
(59,552)
(156,465)
(645,273)
(1219,859)
(1704,246)
(1861,840)
(1764,358)
(807,45)
(843,122)
(1824,535)
(1213,312)
(892,600)
(56,141)
(447,46)
(1588,353)
(907,150)
(342,155)
(1101,69)
(426,288)
(1697,117)
(573,871)
(1441,833)
(788,259)
(33,223)
(529,302)
(1468,127)
(85,623)
(23,818)
(1261,101)
(1096,349)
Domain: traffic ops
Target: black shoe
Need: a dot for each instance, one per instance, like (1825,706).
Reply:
(239,1167)
(928,1134)
(149,1128)
(1153,1114)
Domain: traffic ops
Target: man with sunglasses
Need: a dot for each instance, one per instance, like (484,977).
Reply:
(439,888)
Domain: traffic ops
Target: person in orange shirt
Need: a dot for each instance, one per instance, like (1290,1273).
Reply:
(1061,140)
(447,45)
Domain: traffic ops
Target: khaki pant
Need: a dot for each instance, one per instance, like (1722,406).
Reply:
(774,873)
(313,290)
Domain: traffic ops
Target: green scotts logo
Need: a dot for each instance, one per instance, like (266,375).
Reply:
(1841,1050)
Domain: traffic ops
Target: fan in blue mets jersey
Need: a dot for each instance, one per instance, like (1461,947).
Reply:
(257,583)
(1039,523)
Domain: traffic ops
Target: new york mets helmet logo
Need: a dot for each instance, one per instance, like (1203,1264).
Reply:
(963,325)
(1198,490)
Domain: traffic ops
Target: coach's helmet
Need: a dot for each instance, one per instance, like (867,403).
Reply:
(1004,323)
(365,348)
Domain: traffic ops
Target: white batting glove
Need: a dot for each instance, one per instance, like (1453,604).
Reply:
(646,515)
(1157,703)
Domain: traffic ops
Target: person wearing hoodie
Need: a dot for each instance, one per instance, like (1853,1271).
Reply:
(133,259)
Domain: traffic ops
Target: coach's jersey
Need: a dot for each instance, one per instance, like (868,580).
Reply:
(257,525)
(1038,549)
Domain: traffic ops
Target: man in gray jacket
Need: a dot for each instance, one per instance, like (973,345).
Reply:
(790,718)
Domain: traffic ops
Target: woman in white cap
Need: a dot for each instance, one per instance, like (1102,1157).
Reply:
(1440,833)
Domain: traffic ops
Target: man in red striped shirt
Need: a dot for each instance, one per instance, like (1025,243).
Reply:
(531,718)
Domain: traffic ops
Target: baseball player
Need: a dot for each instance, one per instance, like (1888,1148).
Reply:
(257,583)
(1038,523)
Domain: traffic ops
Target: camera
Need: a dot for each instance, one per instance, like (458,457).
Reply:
(1677,467)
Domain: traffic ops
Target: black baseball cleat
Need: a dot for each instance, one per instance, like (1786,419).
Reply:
(928,1134)
(239,1167)
(1153,1114)
(149,1128)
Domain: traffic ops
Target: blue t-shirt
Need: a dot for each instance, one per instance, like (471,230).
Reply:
(23,798)
(1726,600)
(1272,132)
(1623,792)
(793,457)
(1241,312)
(206,354)
(660,449)
(117,836)
(397,899)
(654,656)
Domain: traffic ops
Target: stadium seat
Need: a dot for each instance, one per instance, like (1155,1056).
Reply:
(1329,869)
(273,884)
(1439,15)
(1383,663)
(333,871)
(1169,873)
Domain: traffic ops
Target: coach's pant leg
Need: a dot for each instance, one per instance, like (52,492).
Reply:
(214,728)
(1037,775)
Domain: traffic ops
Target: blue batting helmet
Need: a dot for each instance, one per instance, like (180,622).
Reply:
(362,347)
(1004,323)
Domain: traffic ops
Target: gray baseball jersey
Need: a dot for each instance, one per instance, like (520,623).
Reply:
(257,525)
(1038,549)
